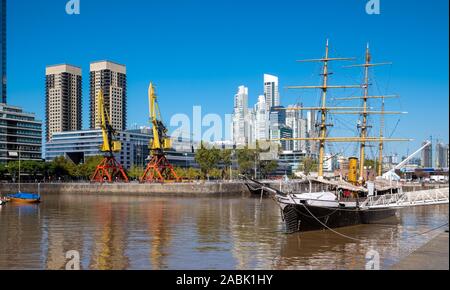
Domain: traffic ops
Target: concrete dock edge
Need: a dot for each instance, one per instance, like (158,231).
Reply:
(432,256)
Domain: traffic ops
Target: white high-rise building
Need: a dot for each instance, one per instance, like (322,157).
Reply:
(261,120)
(441,155)
(251,127)
(311,132)
(328,163)
(271,92)
(298,126)
(240,117)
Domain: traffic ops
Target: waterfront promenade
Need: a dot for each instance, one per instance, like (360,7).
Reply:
(432,256)
(194,189)
(188,189)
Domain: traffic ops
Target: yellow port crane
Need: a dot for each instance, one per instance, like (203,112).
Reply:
(159,168)
(109,169)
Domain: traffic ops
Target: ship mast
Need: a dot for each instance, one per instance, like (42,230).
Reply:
(364,126)
(364,138)
(381,145)
(324,109)
(364,115)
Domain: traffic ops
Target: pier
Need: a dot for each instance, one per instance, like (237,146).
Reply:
(431,256)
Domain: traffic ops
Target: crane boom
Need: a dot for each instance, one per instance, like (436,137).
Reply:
(109,169)
(404,162)
(108,132)
(159,168)
(156,144)
(391,175)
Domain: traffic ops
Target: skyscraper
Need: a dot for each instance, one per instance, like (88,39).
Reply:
(277,120)
(3,50)
(312,148)
(286,133)
(271,92)
(251,127)
(112,79)
(240,117)
(63,99)
(427,156)
(441,155)
(261,120)
(298,126)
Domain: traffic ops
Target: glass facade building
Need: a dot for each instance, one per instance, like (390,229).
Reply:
(78,145)
(20,133)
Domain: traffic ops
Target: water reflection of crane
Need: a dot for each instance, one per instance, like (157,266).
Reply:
(110,245)
(161,217)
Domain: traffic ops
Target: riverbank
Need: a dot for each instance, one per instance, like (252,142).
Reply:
(192,189)
(432,256)
(200,189)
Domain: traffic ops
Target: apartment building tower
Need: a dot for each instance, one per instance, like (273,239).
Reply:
(112,79)
(63,99)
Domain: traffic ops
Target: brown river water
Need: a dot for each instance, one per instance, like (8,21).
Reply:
(195,233)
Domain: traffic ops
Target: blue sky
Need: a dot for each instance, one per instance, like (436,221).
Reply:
(198,52)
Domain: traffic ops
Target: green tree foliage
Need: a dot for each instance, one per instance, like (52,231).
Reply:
(268,167)
(59,169)
(136,172)
(246,160)
(309,165)
(370,164)
(208,159)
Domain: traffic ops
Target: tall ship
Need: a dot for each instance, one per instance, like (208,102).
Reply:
(355,199)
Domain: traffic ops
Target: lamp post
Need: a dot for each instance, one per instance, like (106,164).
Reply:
(186,159)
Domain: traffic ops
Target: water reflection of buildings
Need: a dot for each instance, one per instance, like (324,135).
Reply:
(327,250)
(166,233)
(111,241)
(253,227)
(20,237)
(161,216)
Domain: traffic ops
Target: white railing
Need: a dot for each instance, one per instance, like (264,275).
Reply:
(424,197)
(416,198)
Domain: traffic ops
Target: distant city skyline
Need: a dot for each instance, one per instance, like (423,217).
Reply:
(202,65)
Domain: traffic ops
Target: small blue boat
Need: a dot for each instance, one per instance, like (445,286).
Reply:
(23,197)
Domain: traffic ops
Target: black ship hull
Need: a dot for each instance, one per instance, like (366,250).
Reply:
(306,218)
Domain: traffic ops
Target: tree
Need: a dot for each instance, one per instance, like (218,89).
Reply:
(13,170)
(193,173)
(3,171)
(226,158)
(370,164)
(268,167)
(87,169)
(136,172)
(61,168)
(246,160)
(309,165)
(207,159)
